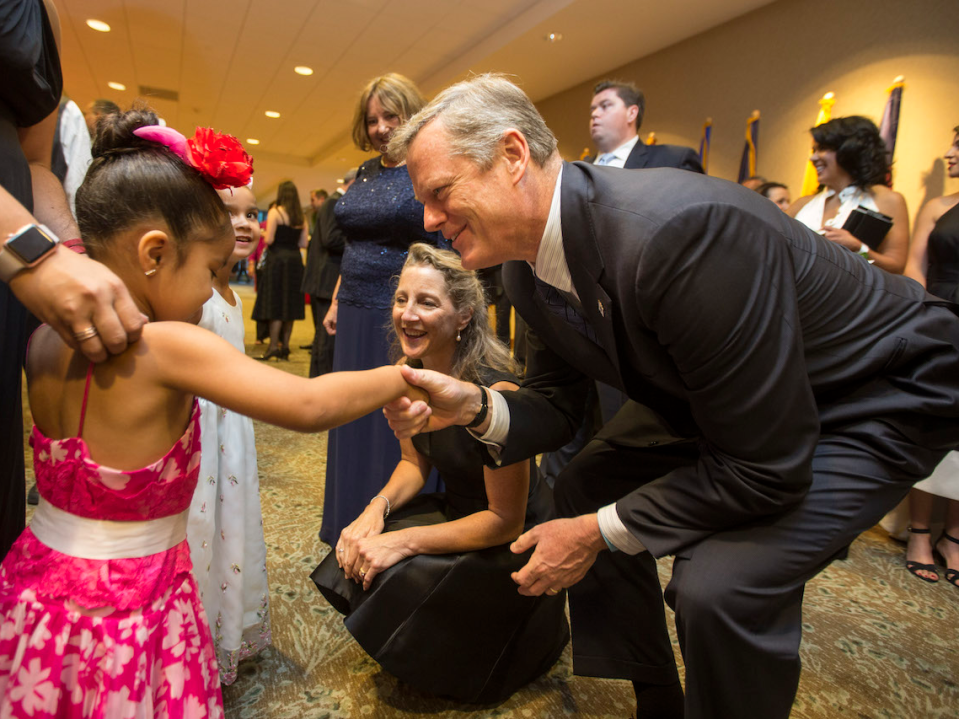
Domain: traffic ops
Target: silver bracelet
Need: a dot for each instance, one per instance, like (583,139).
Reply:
(387,512)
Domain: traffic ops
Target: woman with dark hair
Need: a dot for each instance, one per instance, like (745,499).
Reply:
(934,262)
(852,164)
(439,565)
(380,218)
(279,299)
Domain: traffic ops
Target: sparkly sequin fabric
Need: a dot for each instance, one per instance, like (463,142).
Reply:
(381,219)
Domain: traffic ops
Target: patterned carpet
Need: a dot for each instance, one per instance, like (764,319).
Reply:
(877,642)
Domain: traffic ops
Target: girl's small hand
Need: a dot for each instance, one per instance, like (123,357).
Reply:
(377,554)
(368,524)
(842,237)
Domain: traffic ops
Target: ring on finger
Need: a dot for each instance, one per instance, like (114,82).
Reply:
(340,550)
(552,591)
(85,334)
(362,572)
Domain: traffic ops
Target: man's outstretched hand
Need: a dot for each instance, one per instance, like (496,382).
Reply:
(451,402)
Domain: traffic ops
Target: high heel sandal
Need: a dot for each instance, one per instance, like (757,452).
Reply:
(270,353)
(952,575)
(916,567)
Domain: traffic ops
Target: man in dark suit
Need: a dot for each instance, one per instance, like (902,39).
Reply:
(321,273)
(795,392)
(615,116)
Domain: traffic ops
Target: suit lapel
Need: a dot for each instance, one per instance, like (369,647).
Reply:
(585,262)
(639,157)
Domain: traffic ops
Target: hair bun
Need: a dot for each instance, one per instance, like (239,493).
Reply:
(115,132)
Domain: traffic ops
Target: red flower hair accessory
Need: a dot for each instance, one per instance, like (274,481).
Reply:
(220,158)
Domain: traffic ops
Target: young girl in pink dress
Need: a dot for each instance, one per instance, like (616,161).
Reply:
(99,612)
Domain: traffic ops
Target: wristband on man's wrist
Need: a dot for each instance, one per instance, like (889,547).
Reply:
(483,410)
(864,249)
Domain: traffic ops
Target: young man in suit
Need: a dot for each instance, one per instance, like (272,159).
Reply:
(615,116)
(776,432)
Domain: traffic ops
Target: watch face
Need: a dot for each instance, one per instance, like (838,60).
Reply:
(32,244)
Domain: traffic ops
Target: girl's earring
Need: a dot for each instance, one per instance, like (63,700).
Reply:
(458,336)
(150,273)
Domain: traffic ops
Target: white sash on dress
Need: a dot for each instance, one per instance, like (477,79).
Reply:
(104,539)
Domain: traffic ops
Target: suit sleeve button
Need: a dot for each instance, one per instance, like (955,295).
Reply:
(653,443)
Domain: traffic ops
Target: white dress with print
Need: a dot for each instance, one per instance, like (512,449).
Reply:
(225,528)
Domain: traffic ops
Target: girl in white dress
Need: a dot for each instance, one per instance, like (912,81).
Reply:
(225,530)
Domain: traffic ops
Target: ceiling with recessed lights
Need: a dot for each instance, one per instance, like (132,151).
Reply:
(228,64)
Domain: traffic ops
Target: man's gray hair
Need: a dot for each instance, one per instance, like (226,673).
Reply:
(476,113)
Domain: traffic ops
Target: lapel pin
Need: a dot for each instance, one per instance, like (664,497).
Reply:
(602,310)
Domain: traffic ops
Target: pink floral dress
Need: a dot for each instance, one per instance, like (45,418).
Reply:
(118,637)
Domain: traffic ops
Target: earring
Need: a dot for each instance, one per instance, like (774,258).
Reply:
(458,336)
(150,273)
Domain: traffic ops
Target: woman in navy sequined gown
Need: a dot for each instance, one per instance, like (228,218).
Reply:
(381,219)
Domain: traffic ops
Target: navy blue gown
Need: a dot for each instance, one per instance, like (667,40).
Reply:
(381,219)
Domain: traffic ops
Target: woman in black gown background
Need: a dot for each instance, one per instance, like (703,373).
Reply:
(934,262)
(279,299)
(424,580)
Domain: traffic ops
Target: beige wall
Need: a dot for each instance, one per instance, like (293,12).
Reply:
(780,60)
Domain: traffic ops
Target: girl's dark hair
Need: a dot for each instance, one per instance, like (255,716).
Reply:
(131,180)
(288,197)
(859,148)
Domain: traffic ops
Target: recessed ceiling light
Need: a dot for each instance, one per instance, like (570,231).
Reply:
(117,86)
(554,37)
(272,113)
(251,141)
(98,25)
(303,70)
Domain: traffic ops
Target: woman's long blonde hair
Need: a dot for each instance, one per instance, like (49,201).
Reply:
(479,348)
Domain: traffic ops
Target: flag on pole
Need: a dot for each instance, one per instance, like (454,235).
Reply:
(651,138)
(747,166)
(704,141)
(810,181)
(889,127)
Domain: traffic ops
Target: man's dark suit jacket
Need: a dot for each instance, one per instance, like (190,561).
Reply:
(643,155)
(325,253)
(737,326)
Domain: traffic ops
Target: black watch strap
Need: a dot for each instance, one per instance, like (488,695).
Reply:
(483,410)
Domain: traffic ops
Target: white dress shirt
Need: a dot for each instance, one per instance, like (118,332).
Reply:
(617,158)
(551,268)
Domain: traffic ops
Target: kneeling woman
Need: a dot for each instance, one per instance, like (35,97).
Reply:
(424,581)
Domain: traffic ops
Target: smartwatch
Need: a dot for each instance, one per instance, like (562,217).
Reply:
(27,247)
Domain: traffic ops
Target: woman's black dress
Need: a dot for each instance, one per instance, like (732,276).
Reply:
(29,92)
(279,296)
(454,624)
(942,276)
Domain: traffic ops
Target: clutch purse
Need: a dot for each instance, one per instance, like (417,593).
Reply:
(868,226)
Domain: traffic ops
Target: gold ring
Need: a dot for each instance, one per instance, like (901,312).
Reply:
(552,591)
(362,572)
(85,334)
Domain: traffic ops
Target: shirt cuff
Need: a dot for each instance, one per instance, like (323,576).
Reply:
(615,533)
(498,430)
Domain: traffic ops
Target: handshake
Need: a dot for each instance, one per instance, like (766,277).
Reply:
(442,401)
